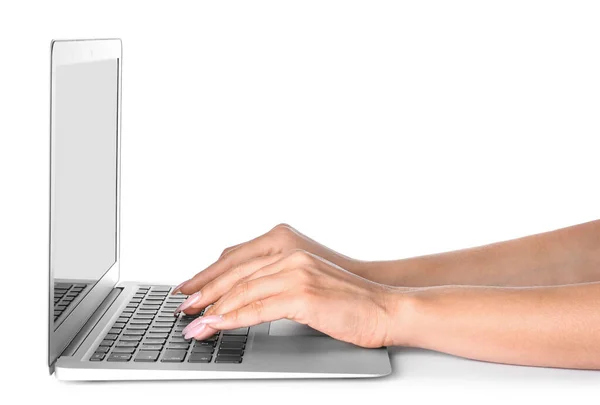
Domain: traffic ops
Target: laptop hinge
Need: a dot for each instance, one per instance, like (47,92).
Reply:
(91,323)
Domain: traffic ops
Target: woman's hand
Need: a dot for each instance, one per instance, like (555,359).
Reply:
(302,287)
(262,251)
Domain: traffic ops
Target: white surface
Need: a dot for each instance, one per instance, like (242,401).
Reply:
(383,129)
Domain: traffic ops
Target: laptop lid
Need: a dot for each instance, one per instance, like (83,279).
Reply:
(84,183)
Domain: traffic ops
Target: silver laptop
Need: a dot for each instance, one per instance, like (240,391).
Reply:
(103,329)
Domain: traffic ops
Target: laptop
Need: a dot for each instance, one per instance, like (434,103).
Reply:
(101,328)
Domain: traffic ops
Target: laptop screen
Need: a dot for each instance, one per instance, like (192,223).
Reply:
(85,180)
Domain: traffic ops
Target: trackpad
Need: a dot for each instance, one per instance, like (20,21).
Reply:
(285,327)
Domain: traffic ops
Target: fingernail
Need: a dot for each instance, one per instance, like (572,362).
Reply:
(192,299)
(210,319)
(194,331)
(176,289)
(204,320)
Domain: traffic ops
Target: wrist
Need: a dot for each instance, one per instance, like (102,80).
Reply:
(402,307)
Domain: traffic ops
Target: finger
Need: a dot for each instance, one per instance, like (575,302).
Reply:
(230,248)
(264,310)
(287,261)
(260,246)
(200,332)
(247,292)
(216,288)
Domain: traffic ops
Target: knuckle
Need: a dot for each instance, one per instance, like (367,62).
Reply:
(242,288)
(300,257)
(302,275)
(258,308)
(284,235)
(283,227)
(233,316)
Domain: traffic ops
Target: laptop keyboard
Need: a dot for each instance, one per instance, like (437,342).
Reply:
(147,331)
(64,295)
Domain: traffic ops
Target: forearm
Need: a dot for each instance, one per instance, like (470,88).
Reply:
(565,256)
(555,326)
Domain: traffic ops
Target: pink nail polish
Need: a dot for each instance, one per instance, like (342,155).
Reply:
(176,289)
(204,320)
(207,320)
(192,299)
(191,325)
(194,331)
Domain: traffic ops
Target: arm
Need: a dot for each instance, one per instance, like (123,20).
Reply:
(556,326)
(565,256)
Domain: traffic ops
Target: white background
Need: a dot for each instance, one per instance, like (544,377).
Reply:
(382,129)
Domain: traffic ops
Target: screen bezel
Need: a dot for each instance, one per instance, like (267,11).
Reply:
(67,53)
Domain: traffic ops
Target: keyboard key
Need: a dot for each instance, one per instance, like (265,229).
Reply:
(108,343)
(123,319)
(173,356)
(111,336)
(228,359)
(230,352)
(168,314)
(178,346)
(122,343)
(151,335)
(134,326)
(179,339)
(97,357)
(161,288)
(144,316)
(134,332)
(142,321)
(163,324)
(154,341)
(166,318)
(236,332)
(157,329)
(200,358)
(147,356)
(129,350)
(233,345)
(151,347)
(233,338)
(145,307)
(205,343)
(203,349)
(102,349)
(119,357)
(131,338)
